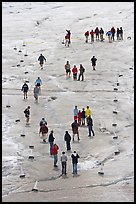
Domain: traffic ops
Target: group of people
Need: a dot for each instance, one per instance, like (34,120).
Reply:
(98,34)
(80,119)
(54,148)
(75,70)
(36,90)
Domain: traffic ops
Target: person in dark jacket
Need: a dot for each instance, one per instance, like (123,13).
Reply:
(81,73)
(75,158)
(83,117)
(51,140)
(113,33)
(93,60)
(101,34)
(25,89)
(44,131)
(67,138)
(41,60)
(118,32)
(121,33)
(97,32)
(27,114)
(75,131)
(90,126)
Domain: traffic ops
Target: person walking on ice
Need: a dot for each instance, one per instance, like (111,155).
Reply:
(75,130)
(93,60)
(67,138)
(51,140)
(55,149)
(67,69)
(38,82)
(88,112)
(44,131)
(81,74)
(41,60)
(86,36)
(83,117)
(90,126)
(25,89)
(75,71)
(27,115)
(36,92)
(63,160)
(75,158)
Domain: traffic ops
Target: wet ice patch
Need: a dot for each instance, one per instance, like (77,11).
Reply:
(86,165)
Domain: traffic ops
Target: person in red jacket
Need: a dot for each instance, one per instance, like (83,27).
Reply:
(75,71)
(79,118)
(55,149)
(67,40)
(92,35)
(86,36)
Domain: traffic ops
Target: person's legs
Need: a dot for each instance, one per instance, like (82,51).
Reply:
(68,145)
(55,160)
(74,168)
(51,144)
(63,168)
(92,130)
(89,130)
(82,77)
(65,165)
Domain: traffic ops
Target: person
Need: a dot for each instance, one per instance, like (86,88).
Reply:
(27,114)
(75,130)
(42,121)
(86,36)
(101,34)
(44,130)
(88,112)
(79,118)
(113,33)
(69,35)
(51,140)
(38,82)
(93,60)
(63,160)
(97,32)
(83,117)
(67,40)
(67,68)
(41,60)
(75,113)
(55,149)
(92,36)
(75,158)
(121,33)
(90,126)
(118,34)
(81,74)
(25,89)
(36,92)
(109,34)
(75,71)
(67,138)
